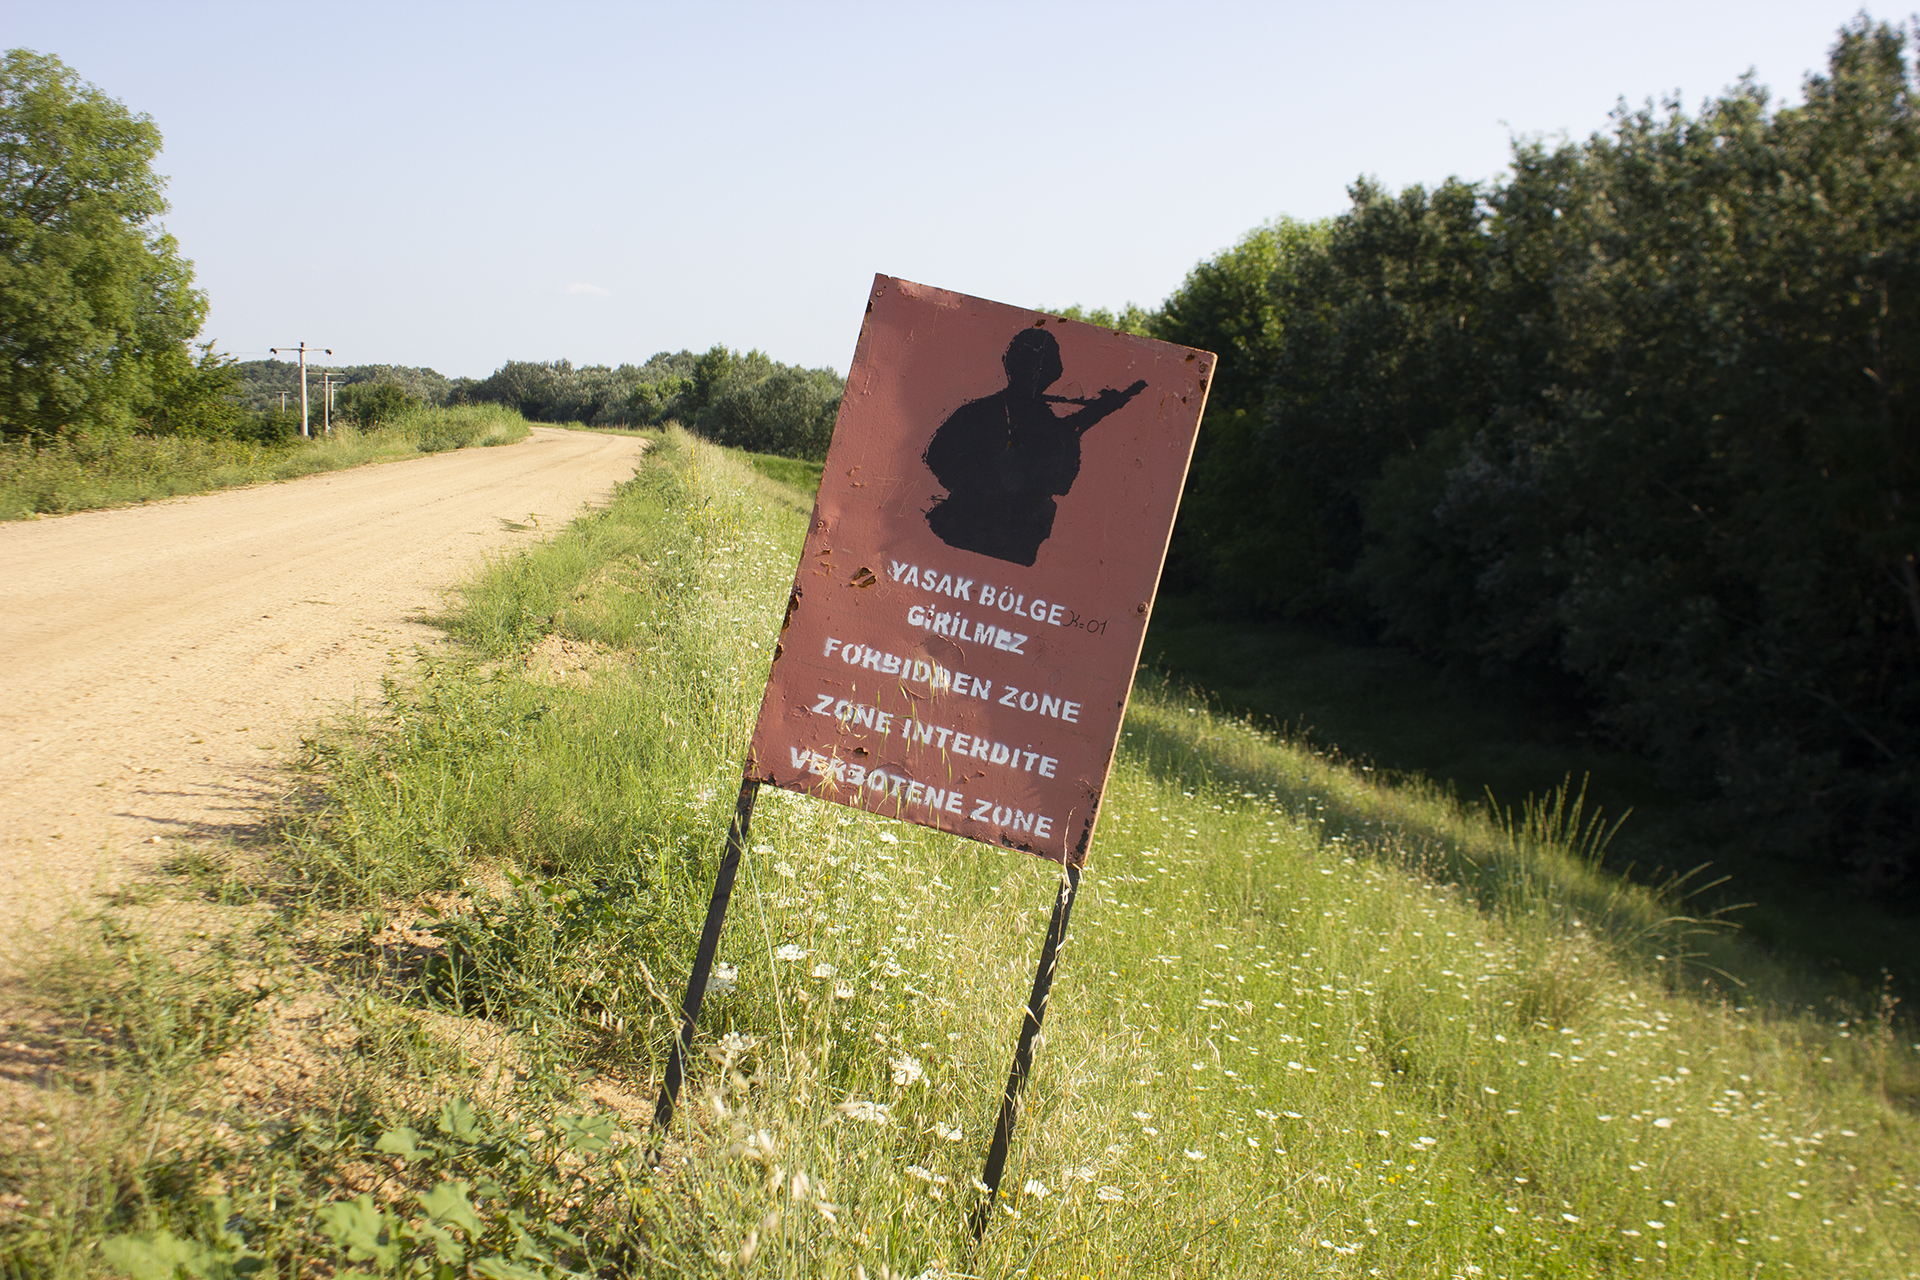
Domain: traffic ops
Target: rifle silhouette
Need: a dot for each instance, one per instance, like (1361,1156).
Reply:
(1130,392)
(1109,397)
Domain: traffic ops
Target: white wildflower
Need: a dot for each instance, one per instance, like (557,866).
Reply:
(1195,1155)
(1036,1189)
(907,1070)
(948,1132)
(733,1044)
(824,970)
(790,952)
(784,869)
(867,1112)
(1663,1123)
(843,990)
(887,837)
(1110,1195)
(723,978)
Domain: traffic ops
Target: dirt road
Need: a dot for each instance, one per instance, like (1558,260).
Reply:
(157,663)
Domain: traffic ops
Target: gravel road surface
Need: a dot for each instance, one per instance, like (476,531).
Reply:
(158,663)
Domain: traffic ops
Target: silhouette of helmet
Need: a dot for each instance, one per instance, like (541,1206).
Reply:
(1032,361)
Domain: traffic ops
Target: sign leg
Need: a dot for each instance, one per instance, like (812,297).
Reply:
(703,958)
(1023,1053)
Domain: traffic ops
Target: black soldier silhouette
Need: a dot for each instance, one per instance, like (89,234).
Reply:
(1004,458)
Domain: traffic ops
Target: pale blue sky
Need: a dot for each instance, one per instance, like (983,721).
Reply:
(457,185)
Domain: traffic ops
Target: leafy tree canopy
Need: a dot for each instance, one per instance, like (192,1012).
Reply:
(94,295)
(1130,319)
(1637,418)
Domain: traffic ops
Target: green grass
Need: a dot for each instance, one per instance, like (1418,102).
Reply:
(797,473)
(1308,1022)
(1385,710)
(793,473)
(86,471)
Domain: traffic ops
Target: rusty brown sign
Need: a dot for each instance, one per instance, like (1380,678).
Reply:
(976,581)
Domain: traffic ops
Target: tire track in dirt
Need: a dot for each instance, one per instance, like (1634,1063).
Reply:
(157,663)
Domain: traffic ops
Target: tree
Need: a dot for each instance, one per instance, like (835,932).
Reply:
(1637,421)
(195,395)
(94,296)
(1132,318)
(788,412)
(1226,305)
(1682,474)
(1234,506)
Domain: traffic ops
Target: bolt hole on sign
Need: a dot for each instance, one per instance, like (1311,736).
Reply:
(979,570)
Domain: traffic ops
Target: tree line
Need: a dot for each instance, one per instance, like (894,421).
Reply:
(98,315)
(743,400)
(1636,419)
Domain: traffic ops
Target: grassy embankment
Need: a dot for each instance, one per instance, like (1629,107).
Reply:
(1307,1023)
(109,469)
(1382,707)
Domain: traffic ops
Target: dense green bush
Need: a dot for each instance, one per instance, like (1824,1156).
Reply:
(786,410)
(1233,523)
(372,404)
(1635,416)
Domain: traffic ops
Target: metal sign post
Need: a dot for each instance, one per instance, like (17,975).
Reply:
(962,633)
(1023,1052)
(704,955)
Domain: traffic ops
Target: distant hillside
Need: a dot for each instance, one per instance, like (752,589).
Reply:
(263,381)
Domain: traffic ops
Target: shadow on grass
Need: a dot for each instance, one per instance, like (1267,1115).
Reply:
(1385,709)
(1544,857)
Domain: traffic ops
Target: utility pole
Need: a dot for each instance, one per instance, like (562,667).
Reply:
(328,381)
(302,349)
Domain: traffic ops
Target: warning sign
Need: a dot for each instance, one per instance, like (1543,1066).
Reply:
(976,581)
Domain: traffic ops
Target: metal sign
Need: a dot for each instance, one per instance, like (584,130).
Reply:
(976,581)
(970,603)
